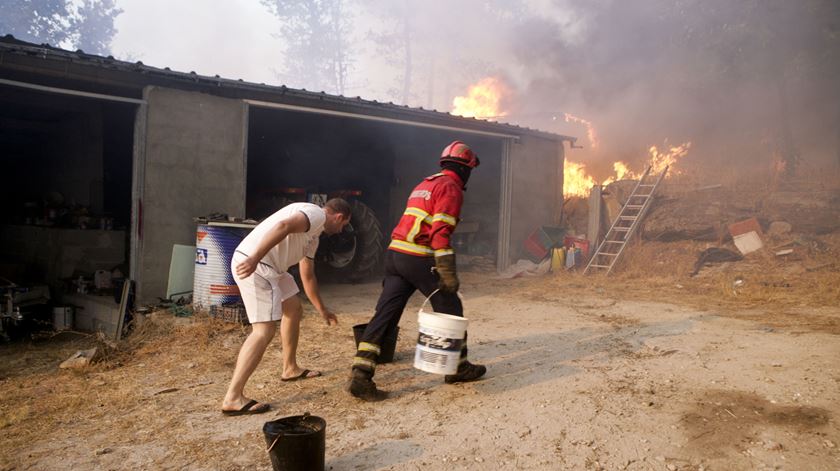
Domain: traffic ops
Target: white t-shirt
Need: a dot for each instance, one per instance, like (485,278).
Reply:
(295,246)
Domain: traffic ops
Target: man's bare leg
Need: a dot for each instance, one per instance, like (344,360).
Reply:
(249,357)
(290,333)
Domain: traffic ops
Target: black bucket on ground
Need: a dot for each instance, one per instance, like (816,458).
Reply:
(389,342)
(296,443)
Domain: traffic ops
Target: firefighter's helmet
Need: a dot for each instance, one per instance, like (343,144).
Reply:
(459,153)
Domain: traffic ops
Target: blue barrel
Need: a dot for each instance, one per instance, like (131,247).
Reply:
(213,284)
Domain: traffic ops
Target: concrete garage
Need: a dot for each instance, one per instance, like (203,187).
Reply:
(170,146)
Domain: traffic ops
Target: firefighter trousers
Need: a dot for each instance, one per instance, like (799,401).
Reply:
(404,274)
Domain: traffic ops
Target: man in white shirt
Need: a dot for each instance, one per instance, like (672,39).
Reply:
(260,264)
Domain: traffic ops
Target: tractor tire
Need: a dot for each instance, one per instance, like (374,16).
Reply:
(356,254)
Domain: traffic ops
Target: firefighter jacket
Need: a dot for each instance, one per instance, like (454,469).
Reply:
(430,216)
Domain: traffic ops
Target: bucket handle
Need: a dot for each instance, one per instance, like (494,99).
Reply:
(435,292)
(280,435)
(268,450)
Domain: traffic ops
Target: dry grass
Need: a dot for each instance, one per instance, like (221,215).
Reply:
(39,399)
(660,271)
(160,387)
(774,290)
(652,270)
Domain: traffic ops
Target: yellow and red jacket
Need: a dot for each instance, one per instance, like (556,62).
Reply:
(430,216)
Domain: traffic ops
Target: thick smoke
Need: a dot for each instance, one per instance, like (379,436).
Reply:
(747,82)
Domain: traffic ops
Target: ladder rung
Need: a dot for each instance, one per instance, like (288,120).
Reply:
(641,196)
(609,254)
(614,241)
(622,229)
(629,218)
(635,206)
(599,266)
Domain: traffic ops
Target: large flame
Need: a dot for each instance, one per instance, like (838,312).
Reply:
(484,100)
(578,183)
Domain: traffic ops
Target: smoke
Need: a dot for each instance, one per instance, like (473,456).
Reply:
(745,81)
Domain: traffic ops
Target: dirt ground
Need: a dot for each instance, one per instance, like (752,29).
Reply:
(581,375)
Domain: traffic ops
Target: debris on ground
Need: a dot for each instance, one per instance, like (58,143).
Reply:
(714,255)
(80,359)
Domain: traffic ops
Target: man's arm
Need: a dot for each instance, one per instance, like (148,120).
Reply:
(296,223)
(310,286)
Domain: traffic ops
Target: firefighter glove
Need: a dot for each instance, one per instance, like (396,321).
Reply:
(445,267)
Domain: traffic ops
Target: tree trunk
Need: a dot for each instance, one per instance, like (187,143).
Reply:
(787,147)
(407,71)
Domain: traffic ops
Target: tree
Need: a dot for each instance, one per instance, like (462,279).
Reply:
(392,42)
(424,42)
(89,27)
(316,36)
(95,26)
(37,21)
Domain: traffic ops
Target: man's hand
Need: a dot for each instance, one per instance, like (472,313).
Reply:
(329,317)
(246,267)
(445,267)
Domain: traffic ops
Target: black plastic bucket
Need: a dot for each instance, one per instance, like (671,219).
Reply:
(296,443)
(389,342)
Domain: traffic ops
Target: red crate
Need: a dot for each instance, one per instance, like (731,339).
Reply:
(574,242)
(536,251)
(539,244)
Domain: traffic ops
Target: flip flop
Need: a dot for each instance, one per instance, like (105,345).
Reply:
(303,375)
(248,409)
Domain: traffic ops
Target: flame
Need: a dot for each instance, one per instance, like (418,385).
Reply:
(590,130)
(661,159)
(576,182)
(622,172)
(483,100)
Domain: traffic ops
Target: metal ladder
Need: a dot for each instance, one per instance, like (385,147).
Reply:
(622,229)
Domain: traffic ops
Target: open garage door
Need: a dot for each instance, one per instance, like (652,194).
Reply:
(295,155)
(65,199)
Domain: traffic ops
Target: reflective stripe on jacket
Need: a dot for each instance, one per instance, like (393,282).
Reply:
(430,216)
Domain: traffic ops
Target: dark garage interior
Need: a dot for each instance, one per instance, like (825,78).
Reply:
(65,200)
(294,154)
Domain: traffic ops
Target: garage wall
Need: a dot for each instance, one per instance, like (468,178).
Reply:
(536,188)
(193,164)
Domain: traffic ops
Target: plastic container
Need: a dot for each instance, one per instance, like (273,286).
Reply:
(296,443)
(558,259)
(213,283)
(63,318)
(389,342)
(439,342)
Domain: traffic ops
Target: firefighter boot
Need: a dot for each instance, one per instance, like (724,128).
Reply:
(466,372)
(362,387)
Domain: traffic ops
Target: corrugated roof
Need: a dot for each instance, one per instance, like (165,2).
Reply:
(148,75)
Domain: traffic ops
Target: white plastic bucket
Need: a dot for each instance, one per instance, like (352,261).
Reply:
(439,341)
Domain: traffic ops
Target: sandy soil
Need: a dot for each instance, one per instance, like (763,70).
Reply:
(577,379)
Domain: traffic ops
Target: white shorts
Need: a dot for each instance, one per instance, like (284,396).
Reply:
(264,291)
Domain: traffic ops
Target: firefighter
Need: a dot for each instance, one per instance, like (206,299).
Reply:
(420,257)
